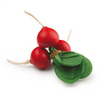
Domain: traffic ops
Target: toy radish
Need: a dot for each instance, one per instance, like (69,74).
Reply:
(47,37)
(39,58)
(62,45)
(69,66)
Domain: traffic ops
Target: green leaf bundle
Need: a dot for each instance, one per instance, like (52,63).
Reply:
(71,66)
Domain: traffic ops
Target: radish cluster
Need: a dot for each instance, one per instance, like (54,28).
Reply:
(47,37)
(69,66)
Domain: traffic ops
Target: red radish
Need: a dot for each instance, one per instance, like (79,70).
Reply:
(47,37)
(39,58)
(62,45)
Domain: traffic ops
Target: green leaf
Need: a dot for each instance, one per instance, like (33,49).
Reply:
(67,54)
(68,58)
(88,67)
(70,66)
(67,74)
(57,57)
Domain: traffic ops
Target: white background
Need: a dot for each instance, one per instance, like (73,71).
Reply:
(18,32)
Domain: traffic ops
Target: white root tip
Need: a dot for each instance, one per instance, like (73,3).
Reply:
(26,62)
(34,18)
(69,35)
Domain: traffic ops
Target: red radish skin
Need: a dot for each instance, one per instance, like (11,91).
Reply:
(47,37)
(40,58)
(62,45)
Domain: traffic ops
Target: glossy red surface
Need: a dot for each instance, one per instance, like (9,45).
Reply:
(47,37)
(40,58)
(62,45)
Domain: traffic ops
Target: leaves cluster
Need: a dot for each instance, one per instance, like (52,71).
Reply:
(71,66)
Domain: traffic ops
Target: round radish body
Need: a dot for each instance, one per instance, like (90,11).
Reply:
(62,45)
(47,37)
(40,58)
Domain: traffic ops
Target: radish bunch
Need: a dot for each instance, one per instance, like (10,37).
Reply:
(47,37)
(69,66)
